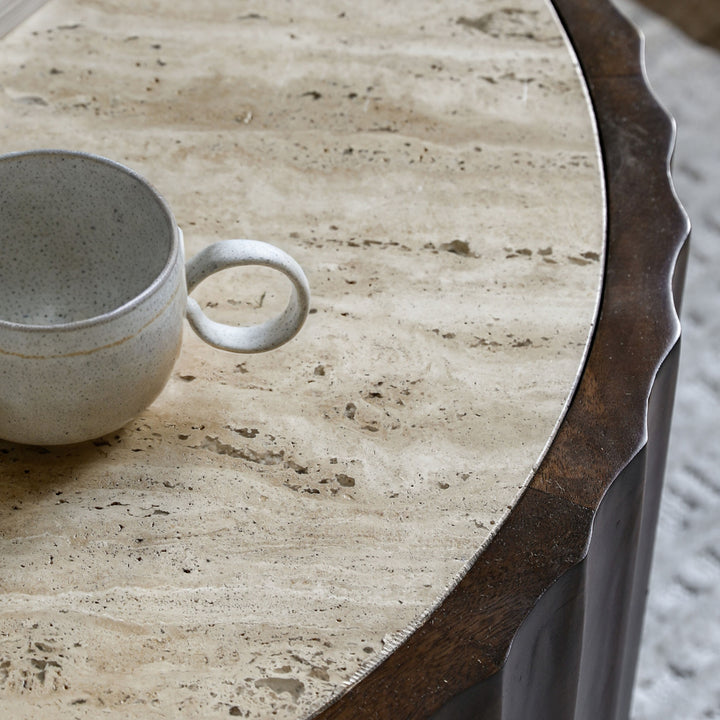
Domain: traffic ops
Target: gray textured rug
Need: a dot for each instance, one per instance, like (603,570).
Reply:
(679,672)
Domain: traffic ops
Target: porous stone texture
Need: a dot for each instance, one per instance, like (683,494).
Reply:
(273,525)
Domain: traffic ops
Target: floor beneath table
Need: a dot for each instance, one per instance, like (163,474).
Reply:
(700,19)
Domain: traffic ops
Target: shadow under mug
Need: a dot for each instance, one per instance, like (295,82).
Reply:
(93,292)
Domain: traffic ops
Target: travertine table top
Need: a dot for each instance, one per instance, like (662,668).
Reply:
(275,524)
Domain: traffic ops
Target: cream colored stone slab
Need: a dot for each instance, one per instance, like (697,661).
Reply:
(275,523)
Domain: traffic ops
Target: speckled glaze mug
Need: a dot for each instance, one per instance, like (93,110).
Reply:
(93,292)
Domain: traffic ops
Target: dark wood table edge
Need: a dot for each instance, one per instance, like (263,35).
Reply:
(547,622)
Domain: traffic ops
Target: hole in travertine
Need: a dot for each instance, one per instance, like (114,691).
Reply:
(283,685)
(457,247)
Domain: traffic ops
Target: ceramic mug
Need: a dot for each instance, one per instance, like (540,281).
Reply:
(93,292)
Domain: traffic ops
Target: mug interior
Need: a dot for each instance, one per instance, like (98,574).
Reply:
(79,237)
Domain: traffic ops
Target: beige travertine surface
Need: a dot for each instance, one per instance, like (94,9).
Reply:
(275,523)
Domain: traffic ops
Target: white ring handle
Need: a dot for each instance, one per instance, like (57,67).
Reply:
(255,338)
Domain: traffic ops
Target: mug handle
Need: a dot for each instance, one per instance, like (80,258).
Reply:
(255,338)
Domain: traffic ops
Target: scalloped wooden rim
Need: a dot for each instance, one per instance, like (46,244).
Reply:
(547,621)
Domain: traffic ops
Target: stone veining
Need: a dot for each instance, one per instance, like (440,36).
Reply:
(270,527)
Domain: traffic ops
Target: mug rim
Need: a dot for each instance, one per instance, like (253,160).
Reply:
(138,299)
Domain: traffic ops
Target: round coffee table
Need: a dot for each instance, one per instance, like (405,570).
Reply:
(439,499)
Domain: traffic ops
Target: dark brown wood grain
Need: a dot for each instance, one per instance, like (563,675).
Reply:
(546,624)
